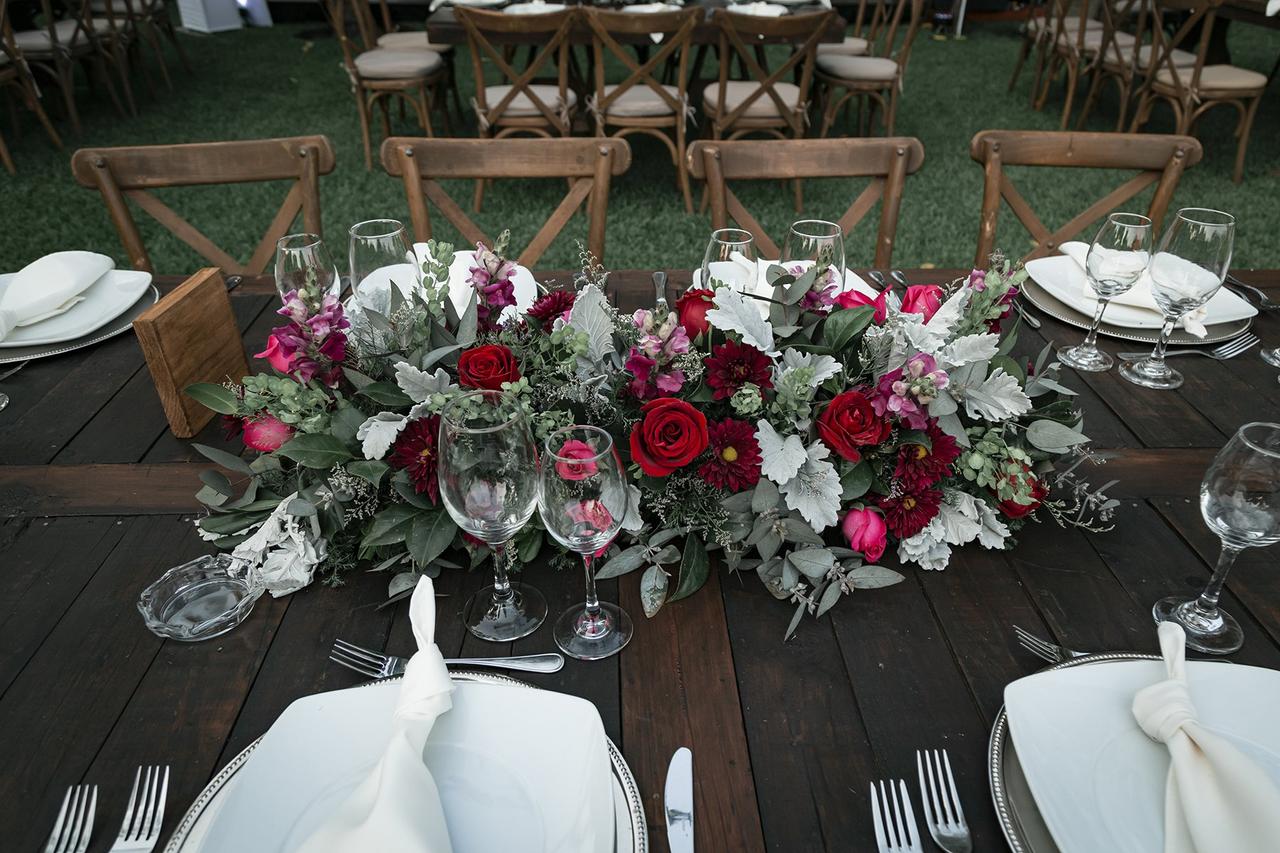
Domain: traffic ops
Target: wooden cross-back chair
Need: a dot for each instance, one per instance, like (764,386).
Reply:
(1078,48)
(1119,59)
(1192,91)
(588,164)
(641,104)
(127,174)
(15,75)
(1160,160)
(394,38)
(886,161)
(877,76)
(1038,35)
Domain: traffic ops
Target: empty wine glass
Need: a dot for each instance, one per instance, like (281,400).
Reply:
(303,265)
(1240,501)
(1117,258)
(488,475)
(379,253)
(583,500)
(730,261)
(815,241)
(1187,270)
(1271,356)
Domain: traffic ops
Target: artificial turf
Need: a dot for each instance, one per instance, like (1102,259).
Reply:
(274,82)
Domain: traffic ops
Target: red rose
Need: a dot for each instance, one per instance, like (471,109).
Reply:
(848,422)
(854,298)
(923,299)
(487,367)
(693,308)
(670,436)
(1039,491)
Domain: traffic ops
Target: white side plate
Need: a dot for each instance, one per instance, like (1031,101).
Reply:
(104,300)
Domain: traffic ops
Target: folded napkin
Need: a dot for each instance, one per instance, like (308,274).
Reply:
(397,807)
(48,286)
(1273,8)
(1216,799)
(761,10)
(1139,296)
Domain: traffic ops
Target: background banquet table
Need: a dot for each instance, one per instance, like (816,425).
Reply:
(96,500)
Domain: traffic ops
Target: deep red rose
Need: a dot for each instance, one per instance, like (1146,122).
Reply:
(923,299)
(670,436)
(487,367)
(693,308)
(855,298)
(848,422)
(1039,491)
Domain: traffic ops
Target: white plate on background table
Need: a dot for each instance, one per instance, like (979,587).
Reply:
(534,8)
(121,324)
(537,771)
(1094,780)
(103,301)
(759,10)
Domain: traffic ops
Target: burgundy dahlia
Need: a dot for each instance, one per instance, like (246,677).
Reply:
(415,452)
(732,365)
(555,304)
(919,467)
(735,456)
(907,513)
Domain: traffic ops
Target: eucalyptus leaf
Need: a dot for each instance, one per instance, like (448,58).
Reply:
(741,502)
(662,537)
(370,470)
(438,353)
(653,590)
(301,508)
(813,563)
(356,378)
(624,563)
(404,581)
(768,545)
(468,323)
(856,481)
(221,457)
(387,394)
(795,622)
(694,568)
(430,534)
(1052,436)
(221,400)
(669,554)
(765,497)
(798,530)
(211,497)
(318,450)
(873,577)
(217,481)
(345,421)
(830,596)
(233,522)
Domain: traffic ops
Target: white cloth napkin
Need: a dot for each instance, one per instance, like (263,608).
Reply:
(762,10)
(1216,799)
(398,806)
(1139,296)
(49,286)
(1273,7)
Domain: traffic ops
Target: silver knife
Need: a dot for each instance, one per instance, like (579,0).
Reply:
(678,801)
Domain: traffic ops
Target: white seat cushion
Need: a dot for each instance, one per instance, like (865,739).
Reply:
(873,68)
(640,100)
(1180,57)
(521,106)
(1093,40)
(851,46)
(35,41)
(384,64)
(737,91)
(411,41)
(1071,25)
(1218,77)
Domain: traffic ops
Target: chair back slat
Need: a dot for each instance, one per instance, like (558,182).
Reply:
(129,174)
(676,29)
(1201,16)
(588,164)
(886,161)
(1159,159)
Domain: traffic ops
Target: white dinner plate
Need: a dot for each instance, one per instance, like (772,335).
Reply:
(104,300)
(534,8)
(517,769)
(1097,779)
(651,8)
(852,281)
(375,289)
(759,10)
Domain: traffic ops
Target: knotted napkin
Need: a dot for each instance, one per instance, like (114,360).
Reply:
(1216,800)
(1139,296)
(48,286)
(397,807)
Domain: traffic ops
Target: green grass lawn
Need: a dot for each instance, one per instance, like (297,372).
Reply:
(271,82)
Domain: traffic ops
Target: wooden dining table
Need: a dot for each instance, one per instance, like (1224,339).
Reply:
(97,500)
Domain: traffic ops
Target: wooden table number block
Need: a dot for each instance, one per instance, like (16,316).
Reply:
(190,336)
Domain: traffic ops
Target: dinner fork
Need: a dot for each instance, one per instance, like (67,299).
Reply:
(1222,352)
(1044,649)
(1266,303)
(145,814)
(75,821)
(941,803)
(376,665)
(893,833)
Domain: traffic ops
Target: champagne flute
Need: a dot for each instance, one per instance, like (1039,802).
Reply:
(303,265)
(488,475)
(1187,270)
(1240,501)
(730,261)
(379,253)
(1117,258)
(816,241)
(582,500)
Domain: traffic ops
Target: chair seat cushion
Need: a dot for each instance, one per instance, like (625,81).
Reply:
(737,91)
(411,41)
(873,68)
(1180,57)
(1071,25)
(851,46)
(639,101)
(522,106)
(36,41)
(384,64)
(1218,77)
(1093,40)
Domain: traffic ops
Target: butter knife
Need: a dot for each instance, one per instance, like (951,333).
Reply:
(678,801)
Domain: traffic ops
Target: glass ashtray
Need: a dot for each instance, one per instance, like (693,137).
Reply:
(198,600)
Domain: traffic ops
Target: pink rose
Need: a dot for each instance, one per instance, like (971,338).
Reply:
(853,299)
(574,449)
(866,531)
(280,356)
(266,433)
(923,299)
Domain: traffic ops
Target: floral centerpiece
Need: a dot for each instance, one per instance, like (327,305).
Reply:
(804,432)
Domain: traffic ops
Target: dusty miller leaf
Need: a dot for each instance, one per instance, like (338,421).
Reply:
(732,313)
(379,432)
(815,489)
(968,349)
(420,385)
(653,590)
(782,458)
(590,315)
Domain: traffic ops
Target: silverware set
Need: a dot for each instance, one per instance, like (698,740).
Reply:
(1232,348)
(677,801)
(377,665)
(143,816)
(1265,303)
(1045,650)
(895,820)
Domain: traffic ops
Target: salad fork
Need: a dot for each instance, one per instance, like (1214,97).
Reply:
(1043,649)
(893,833)
(1266,303)
(941,802)
(145,813)
(377,665)
(1232,348)
(75,821)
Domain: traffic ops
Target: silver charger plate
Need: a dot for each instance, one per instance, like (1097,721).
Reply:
(632,834)
(1059,310)
(118,326)
(1016,809)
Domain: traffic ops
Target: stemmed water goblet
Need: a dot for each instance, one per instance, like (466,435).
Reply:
(583,500)
(730,261)
(304,266)
(815,241)
(488,477)
(1117,258)
(380,248)
(1240,501)
(1186,271)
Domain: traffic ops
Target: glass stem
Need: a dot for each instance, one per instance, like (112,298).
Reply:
(502,592)
(1091,339)
(1157,354)
(1207,603)
(593,603)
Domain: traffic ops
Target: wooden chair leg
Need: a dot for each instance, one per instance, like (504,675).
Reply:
(892,113)
(1073,80)
(121,62)
(682,170)
(362,107)
(1051,72)
(32,102)
(1041,56)
(1125,86)
(385,110)
(1023,52)
(66,82)
(100,69)
(1245,127)
(1090,99)
(5,158)
(152,35)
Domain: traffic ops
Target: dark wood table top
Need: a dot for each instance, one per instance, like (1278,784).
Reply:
(96,501)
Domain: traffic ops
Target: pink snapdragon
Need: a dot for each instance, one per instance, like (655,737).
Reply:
(825,292)
(310,345)
(907,392)
(492,276)
(650,359)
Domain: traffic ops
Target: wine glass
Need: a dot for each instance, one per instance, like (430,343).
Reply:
(815,241)
(730,261)
(1240,501)
(582,501)
(1117,258)
(303,265)
(1187,270)
(379,253)
(488,475)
